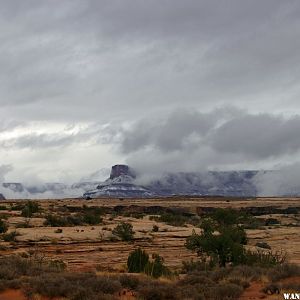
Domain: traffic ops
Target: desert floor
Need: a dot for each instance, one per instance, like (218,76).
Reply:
(93,247)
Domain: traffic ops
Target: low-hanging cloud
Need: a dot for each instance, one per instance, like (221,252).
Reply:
(192,140)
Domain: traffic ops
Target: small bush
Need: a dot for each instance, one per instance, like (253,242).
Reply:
(158,291)
(124,231)
(155,228)
(55,221)
(25,224)
(10,237)
(29,209)
(91,219)
(16,207)
(171,219)
(194,266)
(130,282)
(284,271)
(3,226)
(72,220)
(264,258)
(137,261)
(156,268)
(272,221)
(224,291)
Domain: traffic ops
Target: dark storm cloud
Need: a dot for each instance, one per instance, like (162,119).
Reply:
(107,64)
(112,59)
(259,136)
(238,133)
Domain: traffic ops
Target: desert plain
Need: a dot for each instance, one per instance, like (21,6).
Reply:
(93,247)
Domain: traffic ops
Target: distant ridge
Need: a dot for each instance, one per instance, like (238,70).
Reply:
(122,183)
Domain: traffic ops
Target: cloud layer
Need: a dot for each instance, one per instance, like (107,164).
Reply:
(188,85)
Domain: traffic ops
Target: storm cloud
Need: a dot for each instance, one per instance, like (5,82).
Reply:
(188,84)
(254,136)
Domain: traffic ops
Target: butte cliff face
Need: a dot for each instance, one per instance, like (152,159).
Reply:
(119,184)
(122,183)
(121,170)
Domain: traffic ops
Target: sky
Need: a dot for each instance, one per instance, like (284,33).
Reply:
(166,85)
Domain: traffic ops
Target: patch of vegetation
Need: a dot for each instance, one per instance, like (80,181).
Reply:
(25,224)
(195,266)
(284,271)
(10,237)
(136,215)
(124,231)
(222,240)
(170,219)
(17,206)
(30,208)
(155,228)
(272,221)
(264,258)
(222,248)
(73,220)
(3,226)
(137,260)
(91,218)
(38,277)
(156,267)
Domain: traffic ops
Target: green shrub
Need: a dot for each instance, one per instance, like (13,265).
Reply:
(18,206)
(3,226)
(10,237)
(55,221)
(29,209)
(156,268)
(171,219)
(272,221)
(264,258)
(155,228)
(124,231)
(137,261)
(284,271)
(226,247)
(91,219)
(25,224)
(195,266)
(72,220)
(222,238)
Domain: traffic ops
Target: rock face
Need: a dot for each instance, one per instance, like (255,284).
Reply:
(119,170)
(231,183)
(2,197)
(119,184)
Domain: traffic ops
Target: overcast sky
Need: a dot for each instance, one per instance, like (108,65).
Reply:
(165,84)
